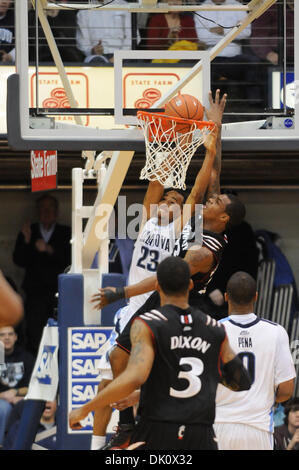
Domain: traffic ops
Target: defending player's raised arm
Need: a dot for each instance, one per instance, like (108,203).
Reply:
(234,375)
(203,177)
(215,113)
(135,374)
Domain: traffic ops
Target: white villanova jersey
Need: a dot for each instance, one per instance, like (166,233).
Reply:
(154,243)
(264,349)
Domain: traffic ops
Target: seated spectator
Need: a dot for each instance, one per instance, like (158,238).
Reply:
(15,375)
(164,29)
(63,24)
(43,249)
(47,421)
(231,63)
(265,36)
(286,437)
(101,32)
(7,32)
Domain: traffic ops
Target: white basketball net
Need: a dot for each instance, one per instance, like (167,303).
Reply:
(168,152)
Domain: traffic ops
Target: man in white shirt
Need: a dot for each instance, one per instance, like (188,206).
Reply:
(244,420)
(235,62)
(101,32)
(213,25)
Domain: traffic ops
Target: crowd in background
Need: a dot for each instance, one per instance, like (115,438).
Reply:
(91,36)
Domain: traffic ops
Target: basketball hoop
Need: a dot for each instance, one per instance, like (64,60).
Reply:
(170,144)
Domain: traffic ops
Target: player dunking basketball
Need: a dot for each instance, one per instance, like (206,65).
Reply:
(203,260)
(156,241)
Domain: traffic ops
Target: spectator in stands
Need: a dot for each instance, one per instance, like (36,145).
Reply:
(43,249)
(265,35)
(47,421)
(232,63)
(213,25)
(7,32)
(101,32)
(165,29)
(286,437)
(63,24)
(15,375)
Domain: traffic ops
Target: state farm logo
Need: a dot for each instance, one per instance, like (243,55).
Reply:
(141,90)
(58,99)
(149,97)
(53,95)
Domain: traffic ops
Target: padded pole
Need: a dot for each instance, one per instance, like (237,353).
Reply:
(32,412)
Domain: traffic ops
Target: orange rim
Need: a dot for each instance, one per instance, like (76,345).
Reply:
(165,118)
(159,128)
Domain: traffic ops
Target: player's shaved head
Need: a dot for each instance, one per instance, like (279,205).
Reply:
(173,275)
(241,288)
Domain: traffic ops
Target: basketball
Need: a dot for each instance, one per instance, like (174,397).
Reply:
(186,107)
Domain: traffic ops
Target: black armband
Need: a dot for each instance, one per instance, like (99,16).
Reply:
(235,376)
(112,296)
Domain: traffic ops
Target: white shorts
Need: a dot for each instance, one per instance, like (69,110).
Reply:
(104,366)
(235,436)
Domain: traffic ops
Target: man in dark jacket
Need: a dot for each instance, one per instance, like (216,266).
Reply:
(43,249)
(15,374)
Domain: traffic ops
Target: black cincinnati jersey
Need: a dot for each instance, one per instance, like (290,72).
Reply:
(181,387)
(213,241)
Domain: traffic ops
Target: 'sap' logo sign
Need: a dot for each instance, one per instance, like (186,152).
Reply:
(44,369)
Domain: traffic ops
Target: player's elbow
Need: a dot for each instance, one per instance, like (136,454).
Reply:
(11,313)
(18,311)
(285,391)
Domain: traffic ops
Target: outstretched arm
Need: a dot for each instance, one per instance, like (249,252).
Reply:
(215,113)
(200,259)
(203,177)
(135,374)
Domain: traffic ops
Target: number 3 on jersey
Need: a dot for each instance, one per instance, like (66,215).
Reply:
(192,376)
(149,259)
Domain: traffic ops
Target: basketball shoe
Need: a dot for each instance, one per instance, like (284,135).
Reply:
(121,438)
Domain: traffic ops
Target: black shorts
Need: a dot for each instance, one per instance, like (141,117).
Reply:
(158,435)
(123,340)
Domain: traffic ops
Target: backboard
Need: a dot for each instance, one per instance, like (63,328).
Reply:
(263,131)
